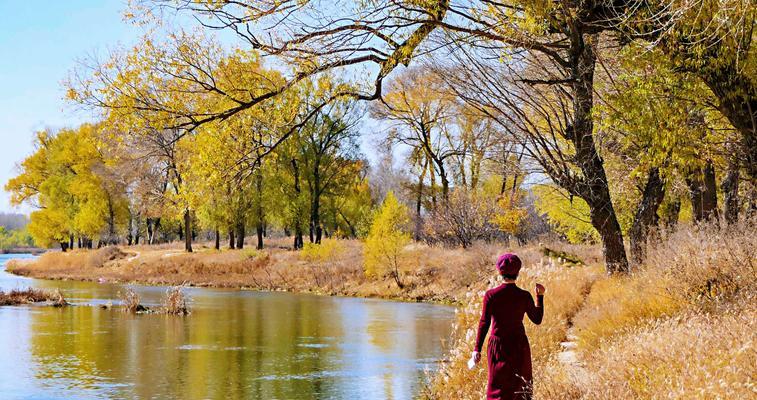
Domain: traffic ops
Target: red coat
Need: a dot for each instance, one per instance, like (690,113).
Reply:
(509,354)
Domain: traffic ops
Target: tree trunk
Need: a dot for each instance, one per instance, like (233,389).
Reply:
(730,187)
(298,242)
(419,201)
(218,240)
(737,96)
(671,214)
(70,241)
(696,190)
(63,246)
(710,193)
(260,236)
(646,215)
(232,241)
(150,235)
(594,189)
(240,234)
(187,231)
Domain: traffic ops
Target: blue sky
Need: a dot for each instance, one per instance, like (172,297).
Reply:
(40,42)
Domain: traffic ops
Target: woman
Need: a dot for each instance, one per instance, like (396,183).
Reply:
(509,354)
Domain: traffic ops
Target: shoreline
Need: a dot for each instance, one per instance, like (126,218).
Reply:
(429,274)
(168,284)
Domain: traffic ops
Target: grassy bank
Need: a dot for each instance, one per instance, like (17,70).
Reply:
(432,274)
(680,327)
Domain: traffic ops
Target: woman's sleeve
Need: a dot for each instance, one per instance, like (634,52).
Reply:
(483,324)
(535,312)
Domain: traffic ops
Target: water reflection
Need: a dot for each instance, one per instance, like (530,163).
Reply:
(235,345)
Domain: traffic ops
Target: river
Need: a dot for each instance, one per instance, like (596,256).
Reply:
(235,345)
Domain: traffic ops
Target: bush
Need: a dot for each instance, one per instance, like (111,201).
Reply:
(130,299)
(175,302)
(327,251)
(464,218)
(386,240)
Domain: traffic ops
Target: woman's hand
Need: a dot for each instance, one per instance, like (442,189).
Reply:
(540,289)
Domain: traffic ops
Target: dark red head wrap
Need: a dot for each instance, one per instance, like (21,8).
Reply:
(508,264)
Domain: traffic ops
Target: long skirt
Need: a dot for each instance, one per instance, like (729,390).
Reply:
(510,371)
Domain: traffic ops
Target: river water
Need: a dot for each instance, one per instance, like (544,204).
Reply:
(234,345)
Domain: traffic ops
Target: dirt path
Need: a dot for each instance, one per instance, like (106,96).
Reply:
(570,356)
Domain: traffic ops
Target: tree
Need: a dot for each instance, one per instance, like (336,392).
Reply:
(420,110)
(75,190)
(386,240)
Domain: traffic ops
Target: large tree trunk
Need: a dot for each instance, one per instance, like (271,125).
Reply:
(218,240)
(730,187)
(710,193)
(594,189)
(696,190)
(187,231)
(646,215)
(232,241)
(240,234)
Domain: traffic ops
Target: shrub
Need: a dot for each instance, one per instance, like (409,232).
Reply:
(130,300)
(327,251)
(175,302)
(386,240)
(464,218)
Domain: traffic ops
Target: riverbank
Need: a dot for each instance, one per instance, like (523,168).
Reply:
(24,250)
(428,273)
(693,303)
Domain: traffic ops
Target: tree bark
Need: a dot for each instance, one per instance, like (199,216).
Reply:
(240,234)
(594,189)
(646,215)
(696,189)
(710,193)
(737,96)
(187,231)
(218,240)
(730,187)
(232,241)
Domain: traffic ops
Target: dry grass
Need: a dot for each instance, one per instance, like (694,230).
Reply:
(695,268)
(175,302)
(31,295)
(681,327)
(98,258)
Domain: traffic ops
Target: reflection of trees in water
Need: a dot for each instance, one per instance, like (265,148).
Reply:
(237,345)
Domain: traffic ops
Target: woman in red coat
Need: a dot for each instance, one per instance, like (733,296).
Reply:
(509,354)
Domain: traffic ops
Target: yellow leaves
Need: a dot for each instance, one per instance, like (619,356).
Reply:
(386,239)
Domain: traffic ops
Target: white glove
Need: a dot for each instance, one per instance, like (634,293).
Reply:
(474,357)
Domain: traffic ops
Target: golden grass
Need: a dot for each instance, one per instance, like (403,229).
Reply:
(681,327)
